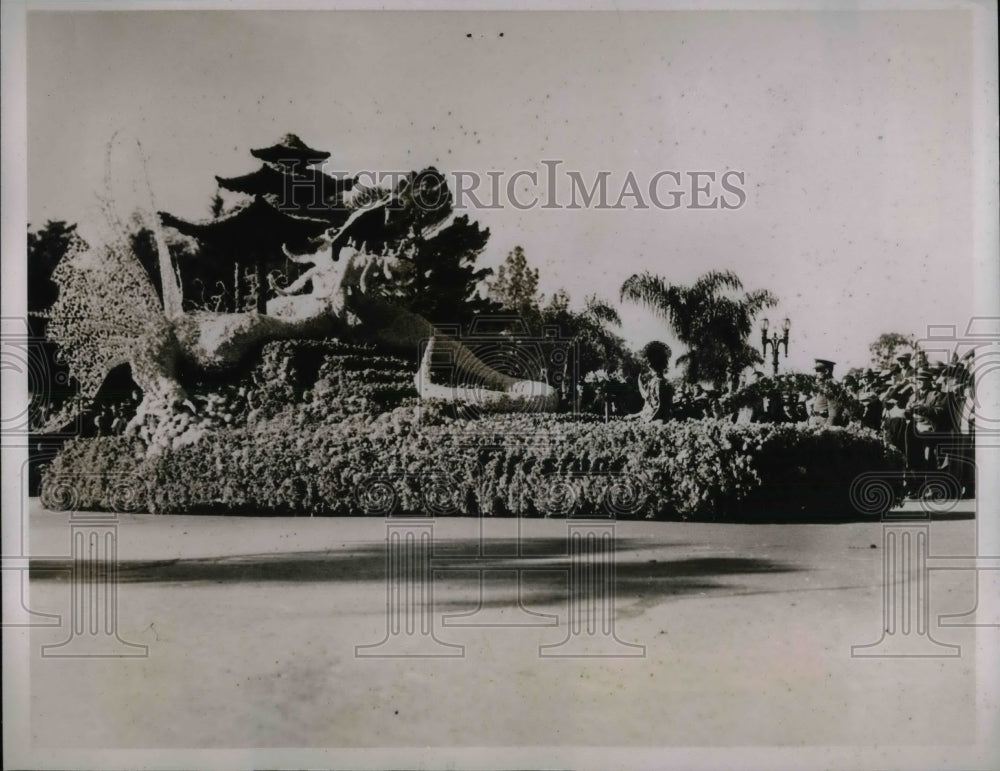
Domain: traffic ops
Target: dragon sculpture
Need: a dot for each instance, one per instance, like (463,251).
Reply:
(108,313)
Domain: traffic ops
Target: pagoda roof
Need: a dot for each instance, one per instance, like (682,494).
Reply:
(309,193)
(257,226)
(290,150)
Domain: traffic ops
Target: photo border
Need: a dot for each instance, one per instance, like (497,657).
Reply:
(18,750)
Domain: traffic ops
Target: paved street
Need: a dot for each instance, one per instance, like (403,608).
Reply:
(252,626)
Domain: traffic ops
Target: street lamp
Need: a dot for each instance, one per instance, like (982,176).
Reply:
(774,341)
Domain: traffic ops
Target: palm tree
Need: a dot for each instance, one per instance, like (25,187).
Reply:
(714,326)
(601,312)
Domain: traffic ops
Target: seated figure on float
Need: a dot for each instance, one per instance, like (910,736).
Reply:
(657,393)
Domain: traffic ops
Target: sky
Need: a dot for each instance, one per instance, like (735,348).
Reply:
(853,131)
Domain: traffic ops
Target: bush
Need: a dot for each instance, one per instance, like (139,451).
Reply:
(417,460)
(104,473)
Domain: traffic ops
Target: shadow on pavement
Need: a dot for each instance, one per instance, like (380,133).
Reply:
(545,568)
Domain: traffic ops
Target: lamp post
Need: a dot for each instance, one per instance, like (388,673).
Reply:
(774,341)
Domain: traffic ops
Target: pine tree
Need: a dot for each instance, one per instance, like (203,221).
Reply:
(436,275)
(515,288)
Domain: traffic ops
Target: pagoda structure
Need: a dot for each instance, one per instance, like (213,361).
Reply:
(288,202)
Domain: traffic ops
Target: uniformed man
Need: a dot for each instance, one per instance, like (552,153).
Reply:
(774,408)
(898,389)
(758,404)
(821,406)
(894,420)
(922,412)
(800,409)
(959,455)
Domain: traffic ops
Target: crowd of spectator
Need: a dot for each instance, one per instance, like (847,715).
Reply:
(925,411)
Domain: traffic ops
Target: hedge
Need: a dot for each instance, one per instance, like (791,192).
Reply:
(417,460)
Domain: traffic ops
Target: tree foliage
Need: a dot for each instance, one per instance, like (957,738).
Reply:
(515,288)
(436,274)
(49,380)
(597,345)
(713,317)
(207,281)
(46,247)
(889,345)
(597,348)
